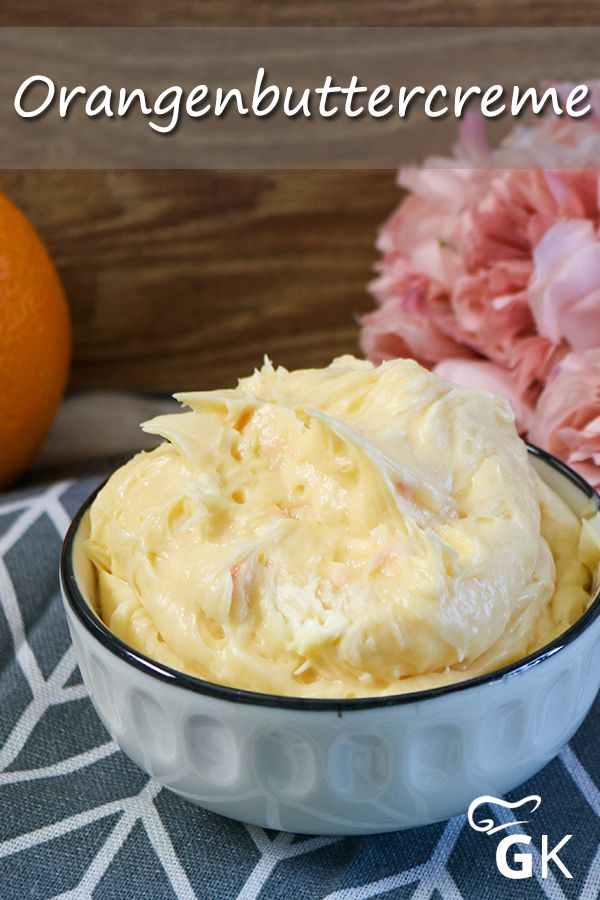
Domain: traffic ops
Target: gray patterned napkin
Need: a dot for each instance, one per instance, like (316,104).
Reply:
(78,819)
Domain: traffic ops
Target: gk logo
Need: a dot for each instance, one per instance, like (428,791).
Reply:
(521,864)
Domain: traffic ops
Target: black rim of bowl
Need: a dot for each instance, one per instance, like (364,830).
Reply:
(98,629)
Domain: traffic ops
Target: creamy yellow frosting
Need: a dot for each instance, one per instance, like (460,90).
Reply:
(338,532)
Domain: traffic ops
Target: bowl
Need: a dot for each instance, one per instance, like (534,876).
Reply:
(338,766)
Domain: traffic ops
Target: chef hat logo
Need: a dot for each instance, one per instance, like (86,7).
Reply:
(489,826)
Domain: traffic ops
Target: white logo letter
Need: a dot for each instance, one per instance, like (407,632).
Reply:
(553,854)
(523,858)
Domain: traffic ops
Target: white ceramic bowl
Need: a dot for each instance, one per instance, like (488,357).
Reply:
(339,766)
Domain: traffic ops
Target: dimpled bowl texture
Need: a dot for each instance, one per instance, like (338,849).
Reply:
(338,767)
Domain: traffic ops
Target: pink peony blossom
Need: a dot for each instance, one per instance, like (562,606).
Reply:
(490,265)
(458,265)
(567,419)
(565,288)
(397,329)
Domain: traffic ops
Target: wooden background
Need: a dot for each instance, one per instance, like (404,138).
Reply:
(185,279)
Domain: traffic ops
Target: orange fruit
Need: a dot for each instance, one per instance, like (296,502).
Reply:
(35,341)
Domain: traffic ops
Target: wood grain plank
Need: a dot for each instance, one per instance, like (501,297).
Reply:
(185,279)
(300,12)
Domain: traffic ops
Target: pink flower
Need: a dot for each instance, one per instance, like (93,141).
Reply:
(565,287)
(518,207)
(490,265)
(405,323)
(458,262)
(567,419)
(487,376)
